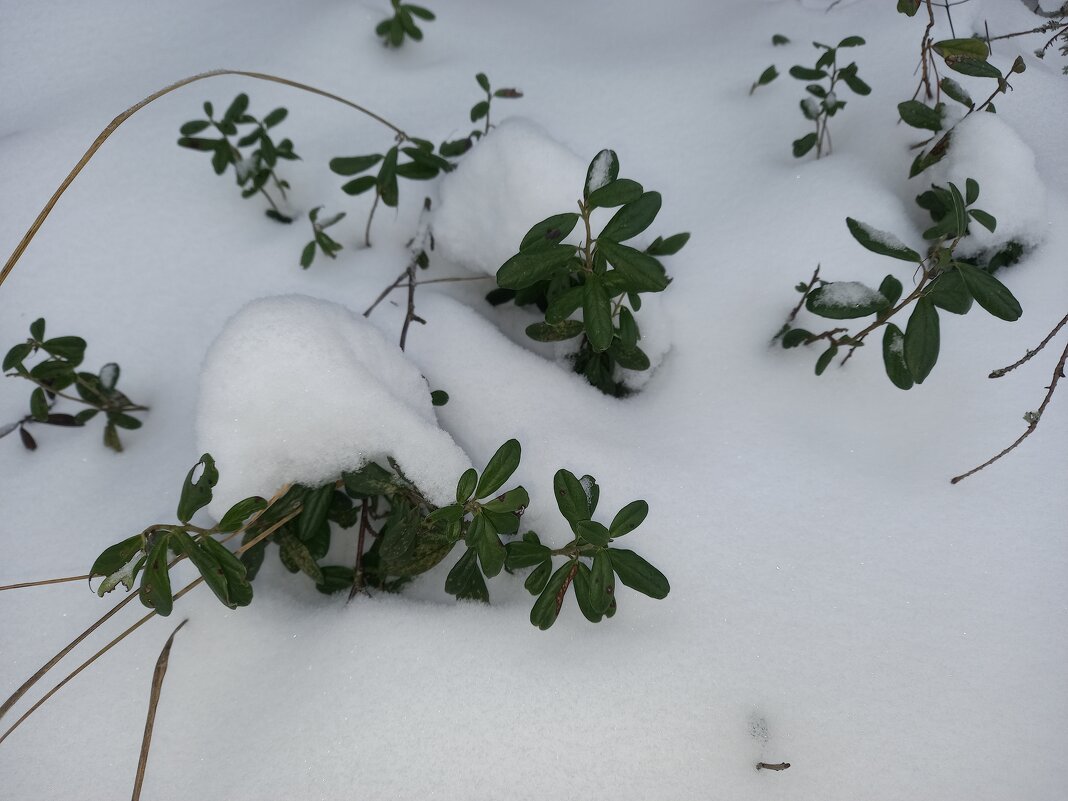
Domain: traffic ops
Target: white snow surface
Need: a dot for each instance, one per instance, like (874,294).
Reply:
(835,603)
(514,177)
(1010,186)
(298,390)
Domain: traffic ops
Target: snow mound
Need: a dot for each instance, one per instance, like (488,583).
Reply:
(986,148)
(298,390)
(516,176)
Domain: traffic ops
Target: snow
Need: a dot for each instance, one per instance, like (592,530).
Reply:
(299,390)
(849,293)
(516,176)
(1010,186)
(599,171)
(884,238)
(835,603)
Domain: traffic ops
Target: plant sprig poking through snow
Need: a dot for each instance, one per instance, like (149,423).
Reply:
(55,376)
(254,171)
(946,282)
(393,30)
(823,102)
(601,277)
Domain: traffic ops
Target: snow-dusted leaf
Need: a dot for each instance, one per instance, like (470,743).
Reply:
(881,242)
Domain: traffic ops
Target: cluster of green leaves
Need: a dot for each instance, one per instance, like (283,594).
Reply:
(400,534)
(254,170)
(152,553)
(967,57)
(410,158)
(479,111)
(823,101)
(320,239)
(56,374)
(601,279)
(393,30)
(591,564)
(945,283)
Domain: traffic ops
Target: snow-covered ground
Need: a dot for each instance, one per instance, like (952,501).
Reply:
(835,602)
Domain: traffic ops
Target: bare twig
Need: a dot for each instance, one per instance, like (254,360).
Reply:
(357,568)
(153,702)
(1033,419)
(121,118)
(778,766)
(1027,356)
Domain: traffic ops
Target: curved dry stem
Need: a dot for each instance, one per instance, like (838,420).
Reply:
(121,118)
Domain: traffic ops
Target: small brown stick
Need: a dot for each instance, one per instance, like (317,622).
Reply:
(357,568)
(1027,356)
(804,296)
(1033,419)
(121,118)
(41,583)
(767,766)
(153,702)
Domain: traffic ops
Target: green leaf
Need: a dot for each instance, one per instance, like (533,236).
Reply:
(466,485)
(571,497)
(238,107)
(615,193)
(603,169)
(370,480)
(597,314)
(602,582)
(487,545)
(778,39)
(804,144)
(845,300)
(880,242)
(947,291)
(851,41)
(638,574)
(241,511)
(894,357)
(971,191)
(191,128)
(156,580)
(275,117)
(72,349)
(418,11)
(526,269)
(111,438)
(984,219)
(118,564)
(977,68)
(479,110)
(825,359)
(628,329)
(990,293)
(523,554)
(465,580)
(499,468)
(295,553)
(196,493)
(205,563)
(919,115)
(307,256)
(387,179)
(16,355)
(629,358)
(439,397)
(335,579)
(38,405)
(891,289)
(592,532)
(668,247)
(642,272)
(547,608)
(359,185)
(955,91)
(856,84)
(557,332)
(908,7)
(483,81)
(795,337)
(548,232)
(960,214)
(922,340)
(628,518)
(971,48)
(539,576)
(807,74)
(766,77)
(632,218)
(316,508)
(124,420)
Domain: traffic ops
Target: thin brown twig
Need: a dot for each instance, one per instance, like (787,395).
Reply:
(125,115)
(1031,353)
(42,583)
(357,569)
(1033,419)
(153,702)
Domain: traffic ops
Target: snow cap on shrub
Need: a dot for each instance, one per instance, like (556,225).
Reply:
(986,148)
(298,390)
(514,177)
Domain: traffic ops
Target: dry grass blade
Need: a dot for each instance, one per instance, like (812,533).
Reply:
(121,118)
(268,532)
(153,701)
(42,583)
